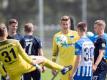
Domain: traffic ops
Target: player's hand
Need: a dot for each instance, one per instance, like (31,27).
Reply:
(54,72)
(71,77)
(94,67)
(39,67)
(43,68)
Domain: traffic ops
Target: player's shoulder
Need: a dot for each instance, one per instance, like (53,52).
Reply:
(19,35)
(78,43)
(101,39)
(12,40)
(36,38)
(73,32)
(58,34)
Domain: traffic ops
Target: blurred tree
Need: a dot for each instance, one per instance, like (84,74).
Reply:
(27,10)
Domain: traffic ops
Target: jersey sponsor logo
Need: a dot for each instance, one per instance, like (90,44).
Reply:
(61,41)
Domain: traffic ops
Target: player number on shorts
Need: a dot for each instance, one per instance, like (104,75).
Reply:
(9,55)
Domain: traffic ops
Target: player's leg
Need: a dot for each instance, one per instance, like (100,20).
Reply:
(48,63)
(52,65)
(102,75)
(27,76)
(36,75)
(2,78)
(82,78)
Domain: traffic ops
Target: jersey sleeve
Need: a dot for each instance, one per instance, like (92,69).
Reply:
(102,44)
(23,54)
(78,49)
(23,43)
(39,43)
(2,72)
(54,50)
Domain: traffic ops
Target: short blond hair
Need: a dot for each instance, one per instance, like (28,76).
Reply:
(100,22)
(28,27)
(65,18)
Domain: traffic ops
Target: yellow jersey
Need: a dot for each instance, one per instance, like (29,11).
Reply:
(14,58)
(64,47)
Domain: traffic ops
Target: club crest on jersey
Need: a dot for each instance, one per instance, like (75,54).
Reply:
(71,37)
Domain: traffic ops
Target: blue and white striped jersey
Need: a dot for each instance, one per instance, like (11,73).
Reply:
(85,47)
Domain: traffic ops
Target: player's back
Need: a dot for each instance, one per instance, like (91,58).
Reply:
(31,44)
(85,48)
(11,55)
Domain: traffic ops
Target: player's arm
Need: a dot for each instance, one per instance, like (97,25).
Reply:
(39,45)
(40,52)
(101,53)
(78,52)
(77,62)
(54,50)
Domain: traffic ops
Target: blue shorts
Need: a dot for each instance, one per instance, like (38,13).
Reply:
(82,77)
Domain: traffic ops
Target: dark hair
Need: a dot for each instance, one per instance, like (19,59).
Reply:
(72,23)
(12,21)
(82,26)
(2,29)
